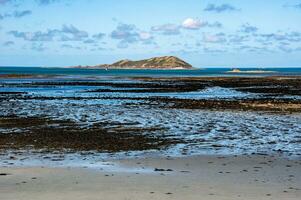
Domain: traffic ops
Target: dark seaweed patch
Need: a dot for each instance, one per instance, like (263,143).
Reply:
(68,135)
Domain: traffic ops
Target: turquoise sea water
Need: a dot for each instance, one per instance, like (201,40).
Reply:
(139,72)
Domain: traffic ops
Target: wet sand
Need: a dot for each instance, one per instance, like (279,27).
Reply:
(201,177)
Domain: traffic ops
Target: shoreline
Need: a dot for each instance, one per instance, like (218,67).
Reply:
(129,68)
(211,177)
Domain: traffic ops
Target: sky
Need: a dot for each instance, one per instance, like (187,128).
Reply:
(205,33)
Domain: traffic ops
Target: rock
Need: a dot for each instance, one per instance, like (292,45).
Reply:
(163,170)
(4,174)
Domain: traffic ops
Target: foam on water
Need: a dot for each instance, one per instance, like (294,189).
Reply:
(211,93)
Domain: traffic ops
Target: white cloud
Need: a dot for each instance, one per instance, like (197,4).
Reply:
(167,29)
(191,23)
(145,36)
(216,38)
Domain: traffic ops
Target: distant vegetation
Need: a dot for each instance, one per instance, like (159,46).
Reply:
(165,62)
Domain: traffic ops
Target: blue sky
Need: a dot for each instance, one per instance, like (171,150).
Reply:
(206,33)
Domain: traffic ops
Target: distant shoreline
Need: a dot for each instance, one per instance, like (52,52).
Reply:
(238,71)
(130,68)
(203,67)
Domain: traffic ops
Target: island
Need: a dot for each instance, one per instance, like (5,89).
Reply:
(164,62)
(238,71)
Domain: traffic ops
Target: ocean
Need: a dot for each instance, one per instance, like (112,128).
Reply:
(140,72)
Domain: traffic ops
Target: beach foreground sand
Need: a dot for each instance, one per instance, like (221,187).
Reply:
(199,177)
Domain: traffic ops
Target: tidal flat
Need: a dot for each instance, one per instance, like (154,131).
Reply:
(167,138)
(165,116)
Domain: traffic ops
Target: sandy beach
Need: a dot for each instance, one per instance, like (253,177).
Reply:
(201,177)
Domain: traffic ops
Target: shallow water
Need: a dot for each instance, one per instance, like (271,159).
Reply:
(204,131)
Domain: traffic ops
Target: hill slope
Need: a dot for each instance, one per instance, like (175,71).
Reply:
(165,62)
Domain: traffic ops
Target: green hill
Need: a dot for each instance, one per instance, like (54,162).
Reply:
(165,62)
